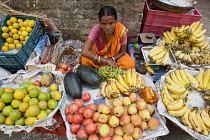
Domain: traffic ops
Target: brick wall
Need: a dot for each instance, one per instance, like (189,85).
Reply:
(75,18)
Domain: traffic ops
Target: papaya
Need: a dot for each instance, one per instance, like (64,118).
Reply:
(47,79)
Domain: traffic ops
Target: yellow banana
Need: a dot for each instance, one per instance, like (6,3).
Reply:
(191,79)
(193,120)
(180,112)
(179,78)
(125,79)
(154,49)
(195,26)
(204,46)
(114,87)
(193,39)
(198,35)
(102,89)
(192,25)
(185,119)
(133,75)
(184,77)
(108,91)
(208,85)
(173,34)
(121,88)
(174,90)
(156,52)
(167,94)
(159,56)
(165,100)
(204,130)
(165,58)
(172,83)
(176,106)
(149,69)
(184,95)
(175,80)
(170,36)
(199,78)
(159,61)
(129,78)
(205,117)
(177,53)
(121,81)
(166,37)
(199,44)
(138,80)
(143,85)
(201,39)
(181,56)
(199,28)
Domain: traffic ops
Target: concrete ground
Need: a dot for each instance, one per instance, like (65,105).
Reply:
(175,132)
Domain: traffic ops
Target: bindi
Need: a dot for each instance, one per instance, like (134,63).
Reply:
(107,21)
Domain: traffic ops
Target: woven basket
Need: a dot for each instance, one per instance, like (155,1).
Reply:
(173,7)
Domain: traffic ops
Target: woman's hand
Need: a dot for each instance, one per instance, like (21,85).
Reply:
(112,63)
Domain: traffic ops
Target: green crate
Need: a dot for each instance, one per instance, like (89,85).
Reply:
(16,61)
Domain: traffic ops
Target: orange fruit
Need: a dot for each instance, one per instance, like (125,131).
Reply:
(33,110)
(9,121)
(8,89)
(53,87)
(42,115)
(25,23)
(14,31)
(15,26)
(20,121)
(10,34)
(52,103)
(23,106)
(13,19)
(24,33)
(43,96)
(33,101)
(56,95)
(31,23)
(22,28)
(6,110)
(6,97)
(19,94)
(30,121)
(5,48)
(15,114)
(6,44)
(26,98)
(30,87)
(42,105)
(5,29)
(15,103)
(2,105)
(5,35)
(34,92)
(18,45)
(16,41)
(1,92)
(28,29)
(8,23)
(20,20)
(19,32)
(11,46)
(2,119)
(16,36)
(48,111)
(9,40)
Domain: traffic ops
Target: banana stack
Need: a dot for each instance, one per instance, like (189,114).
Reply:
(203,79)
(179,81)
(130,81)
(187,36)
(193,57)
(159,55)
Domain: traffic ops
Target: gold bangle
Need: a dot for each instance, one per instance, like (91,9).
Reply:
(99,59)
(95,58)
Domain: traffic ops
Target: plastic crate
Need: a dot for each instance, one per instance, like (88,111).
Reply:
(16,61)
(157,21)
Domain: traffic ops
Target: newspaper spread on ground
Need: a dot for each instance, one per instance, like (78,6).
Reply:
(195,99)
(97,98)
(17,81)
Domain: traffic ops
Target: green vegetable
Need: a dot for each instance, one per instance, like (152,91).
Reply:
(89,76)
(73,85)
(107,72)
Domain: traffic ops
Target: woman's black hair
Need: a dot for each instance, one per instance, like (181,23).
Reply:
(107,11)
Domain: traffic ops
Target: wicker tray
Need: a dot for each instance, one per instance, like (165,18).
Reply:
(175,6)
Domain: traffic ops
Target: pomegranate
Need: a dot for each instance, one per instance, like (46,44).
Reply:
(63,66)
(92,106)
(67,110)
(70,118)
(79,102)
(37,83)
(87,113)
(90,128)
(87,121)
(81,135)
(80,110)
(73,108)
(61,70)
(93,137)
(77,118)
(75,127)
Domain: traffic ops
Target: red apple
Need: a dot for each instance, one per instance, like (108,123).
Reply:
(77,118)
(75,127)
(87,113)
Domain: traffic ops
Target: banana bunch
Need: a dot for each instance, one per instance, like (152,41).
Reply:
(193,57)
(203,79)
(179,81)
(159,55)
(130,81)
(170,36)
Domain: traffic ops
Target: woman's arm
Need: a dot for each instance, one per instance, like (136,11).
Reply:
(121,52)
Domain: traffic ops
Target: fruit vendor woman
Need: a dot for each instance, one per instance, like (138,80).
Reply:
(107,42)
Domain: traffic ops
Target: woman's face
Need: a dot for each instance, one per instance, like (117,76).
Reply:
(108,24)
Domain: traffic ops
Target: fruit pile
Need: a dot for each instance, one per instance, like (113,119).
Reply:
(178,83)
(107,72)
(129,82)
(125,120)
(159,55)
(23,106)
(16,33)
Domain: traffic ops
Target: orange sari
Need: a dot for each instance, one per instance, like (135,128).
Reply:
(111,49)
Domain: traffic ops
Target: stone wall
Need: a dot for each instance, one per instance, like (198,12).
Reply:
(75,18)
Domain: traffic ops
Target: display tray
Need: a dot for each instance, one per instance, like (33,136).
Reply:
(145,52)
